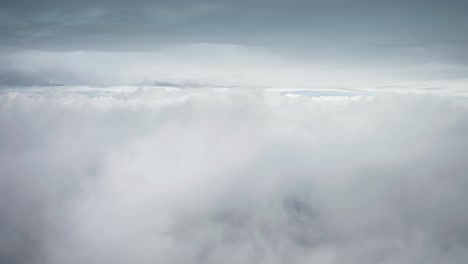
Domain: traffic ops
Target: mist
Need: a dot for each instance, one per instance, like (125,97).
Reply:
(153,175)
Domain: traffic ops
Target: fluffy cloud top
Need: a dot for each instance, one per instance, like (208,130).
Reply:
(231,176)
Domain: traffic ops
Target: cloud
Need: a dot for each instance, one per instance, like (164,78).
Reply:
(210,64)
(214,65)
(354,33)
(123,175)
(303,44)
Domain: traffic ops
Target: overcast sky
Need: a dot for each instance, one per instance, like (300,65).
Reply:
(337,132)
(299,43)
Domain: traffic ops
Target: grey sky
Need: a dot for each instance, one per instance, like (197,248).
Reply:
(361,34)
(87,23)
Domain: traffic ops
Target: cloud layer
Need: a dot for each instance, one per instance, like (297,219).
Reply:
(231,176)
(333,43)
(215,65)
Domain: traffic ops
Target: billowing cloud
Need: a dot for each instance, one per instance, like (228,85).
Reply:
(124,175)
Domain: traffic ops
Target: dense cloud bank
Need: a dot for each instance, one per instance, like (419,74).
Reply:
(229,176)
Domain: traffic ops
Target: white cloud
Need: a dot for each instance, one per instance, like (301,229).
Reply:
(218,65)
(125,175)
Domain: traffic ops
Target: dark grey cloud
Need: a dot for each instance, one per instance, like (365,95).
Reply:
(135,25)
(358,34)
(71,25)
